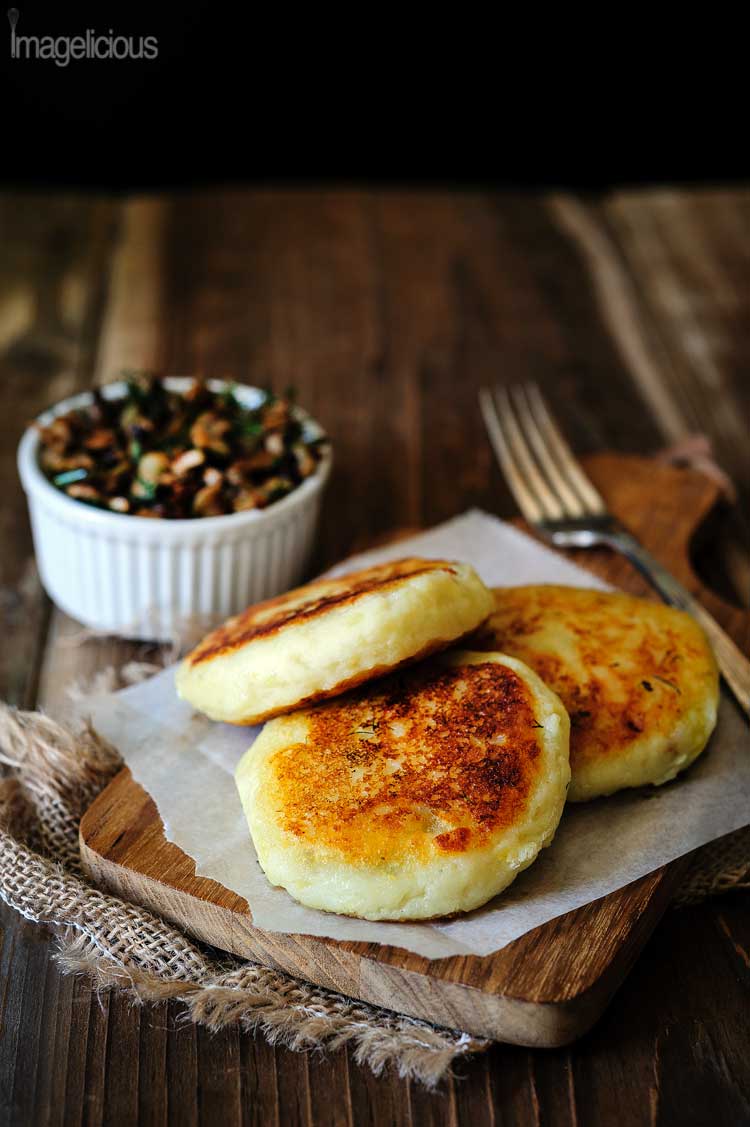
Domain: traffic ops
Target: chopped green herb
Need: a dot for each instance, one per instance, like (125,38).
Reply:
(146,490)
(229,398)
(671,684)
(70,476)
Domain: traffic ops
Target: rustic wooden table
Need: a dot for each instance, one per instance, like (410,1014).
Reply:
(387,311)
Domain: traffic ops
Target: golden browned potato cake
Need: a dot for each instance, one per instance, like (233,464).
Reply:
(638,678)
(322,639)
(419,795)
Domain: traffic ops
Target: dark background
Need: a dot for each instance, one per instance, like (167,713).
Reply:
(366,94)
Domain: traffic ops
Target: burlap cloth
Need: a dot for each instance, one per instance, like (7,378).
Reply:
(52,773)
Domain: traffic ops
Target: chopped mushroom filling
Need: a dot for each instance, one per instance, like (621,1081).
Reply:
(160,453)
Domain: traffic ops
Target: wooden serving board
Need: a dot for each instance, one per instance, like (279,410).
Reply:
(546,988)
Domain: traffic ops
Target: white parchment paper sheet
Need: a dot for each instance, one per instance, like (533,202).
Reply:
(186,763)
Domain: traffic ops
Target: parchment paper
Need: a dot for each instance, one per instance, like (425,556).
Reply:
(186,763)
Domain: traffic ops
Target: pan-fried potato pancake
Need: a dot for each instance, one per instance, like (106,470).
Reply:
(638,679)
(322,639)
(420,795)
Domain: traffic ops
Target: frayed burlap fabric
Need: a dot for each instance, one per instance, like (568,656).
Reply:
(51,775)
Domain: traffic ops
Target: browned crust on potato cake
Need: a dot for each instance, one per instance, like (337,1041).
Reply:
(644,692)
(444,753)
(308,602)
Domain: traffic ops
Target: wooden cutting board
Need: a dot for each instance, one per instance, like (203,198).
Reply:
(546,988)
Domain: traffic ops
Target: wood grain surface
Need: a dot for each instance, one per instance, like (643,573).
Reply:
(544,990)
(387,310)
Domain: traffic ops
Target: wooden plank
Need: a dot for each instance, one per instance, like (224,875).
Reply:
(669,270)
(130,336)
(52,284)
(691,251)
(546,988)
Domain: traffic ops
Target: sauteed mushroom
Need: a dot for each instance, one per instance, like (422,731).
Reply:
(161,454)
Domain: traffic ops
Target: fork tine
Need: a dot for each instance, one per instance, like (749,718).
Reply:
(534,497)
(525,499)
(562,454)
(569,501)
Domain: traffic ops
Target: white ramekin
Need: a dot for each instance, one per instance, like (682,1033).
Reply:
(154,579)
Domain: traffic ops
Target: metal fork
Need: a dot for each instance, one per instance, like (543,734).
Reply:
(562,505)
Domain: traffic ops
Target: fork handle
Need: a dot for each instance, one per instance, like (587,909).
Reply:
(734,666)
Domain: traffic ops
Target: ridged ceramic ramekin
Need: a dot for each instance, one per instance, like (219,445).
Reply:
(155,579)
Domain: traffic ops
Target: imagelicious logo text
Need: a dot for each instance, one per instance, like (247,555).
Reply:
(63,49)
